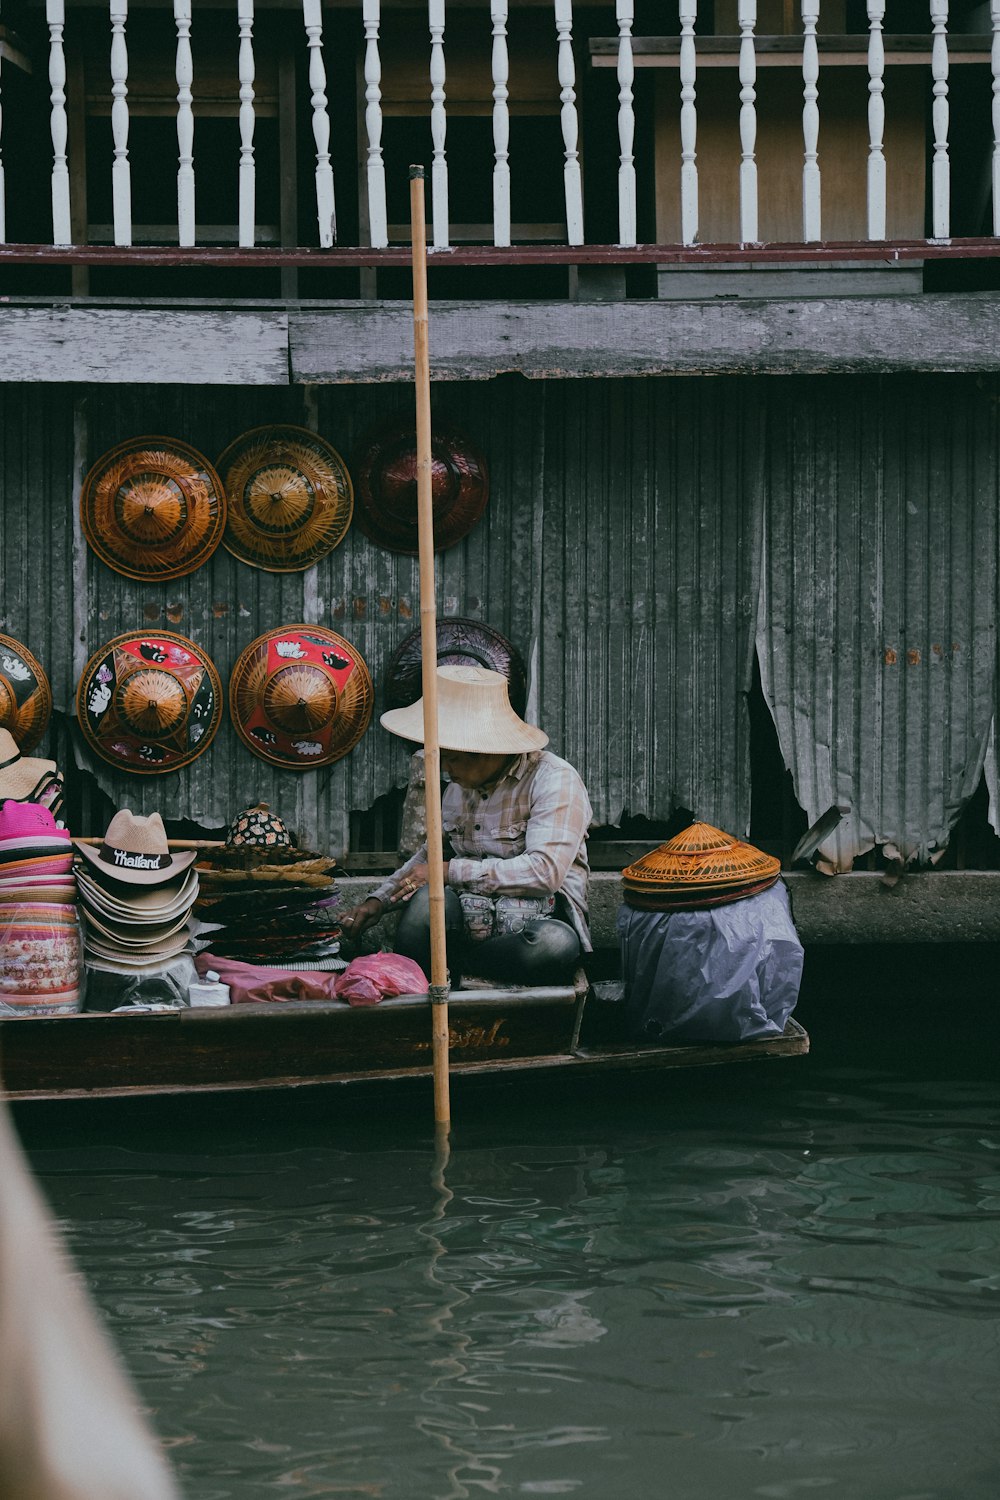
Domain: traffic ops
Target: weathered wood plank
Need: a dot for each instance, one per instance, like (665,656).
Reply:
(475,341)
(125,346)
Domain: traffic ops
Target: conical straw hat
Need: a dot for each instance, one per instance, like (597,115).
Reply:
(289,496)
(474,715)
(701,856)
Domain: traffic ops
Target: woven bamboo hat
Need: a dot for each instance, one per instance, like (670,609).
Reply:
(289,498)
(25,695)
(153,508)
(20,774)
(459,642)
(300,696)
(386,471)
(135,850)
(701,866)
(474,715)
(149,703)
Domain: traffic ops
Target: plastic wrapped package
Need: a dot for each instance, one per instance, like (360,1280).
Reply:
(109,989)
(41,959)
(723,974)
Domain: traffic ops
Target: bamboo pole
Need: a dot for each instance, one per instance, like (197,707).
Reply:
(428,657)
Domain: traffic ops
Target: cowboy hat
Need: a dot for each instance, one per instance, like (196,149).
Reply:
(20,774)
(474,715)
(135,851)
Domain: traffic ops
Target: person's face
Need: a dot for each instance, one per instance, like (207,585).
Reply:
(472,770)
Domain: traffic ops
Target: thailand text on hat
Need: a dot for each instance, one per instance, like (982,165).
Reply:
(474,715)
(135,850)
(20,775)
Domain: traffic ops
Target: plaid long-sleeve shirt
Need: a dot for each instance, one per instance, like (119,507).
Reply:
(526,835)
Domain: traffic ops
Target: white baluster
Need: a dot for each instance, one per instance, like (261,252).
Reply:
(326,215)
(378,227)
(184,72)
(625,10)
(570,128)
(876,121)
(941,166)
(439,165)
(248,170)
(501,125)
(810,122)
(121,176)
(55,15)
(995,65)
(3,190)
(688,11)
(748,123)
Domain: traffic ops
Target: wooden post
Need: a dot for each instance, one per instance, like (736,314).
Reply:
(428,643)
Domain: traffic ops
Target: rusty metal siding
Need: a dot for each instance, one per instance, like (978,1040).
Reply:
(878,622)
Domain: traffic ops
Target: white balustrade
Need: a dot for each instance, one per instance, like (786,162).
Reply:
(248,170)
(439,122)
(995,67)
(55,16)
(625,12)
(941,165)
(378,226)
(876,121)
(573,183)
(810,122)
(184,72)
(121,175)
(748,123)
(501,125)
(325,211)
(688,13)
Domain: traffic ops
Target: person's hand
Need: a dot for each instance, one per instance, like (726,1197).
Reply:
(409,885)
(359,918)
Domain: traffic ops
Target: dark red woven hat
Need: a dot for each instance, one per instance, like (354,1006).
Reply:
(386,490)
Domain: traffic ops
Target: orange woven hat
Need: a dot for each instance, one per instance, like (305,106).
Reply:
(153,508)
(25,695)
(387,487)
(149,703)
(289,498)
(699,866)
(300,696)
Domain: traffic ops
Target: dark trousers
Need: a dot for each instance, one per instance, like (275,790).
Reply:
(546,951)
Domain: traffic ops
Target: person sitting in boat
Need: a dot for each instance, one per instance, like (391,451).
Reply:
(515,820)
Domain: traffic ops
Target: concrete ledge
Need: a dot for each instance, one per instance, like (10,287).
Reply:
(950,906)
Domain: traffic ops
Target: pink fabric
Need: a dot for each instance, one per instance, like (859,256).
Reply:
(378,976)
(250,985)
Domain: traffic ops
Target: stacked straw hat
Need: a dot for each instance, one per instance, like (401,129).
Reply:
(265,901)
(136,895)
(700,867)
(40,950)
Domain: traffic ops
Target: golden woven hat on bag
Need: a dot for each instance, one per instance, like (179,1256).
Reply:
(386,471)
(300,696)
(289,498)
(149,703)
(701,866)
(25,695)
(153,508)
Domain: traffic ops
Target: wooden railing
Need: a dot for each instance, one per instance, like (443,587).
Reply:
(702,132)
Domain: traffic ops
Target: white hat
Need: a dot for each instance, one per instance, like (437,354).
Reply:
(135,850)
(20,774)
(474,715)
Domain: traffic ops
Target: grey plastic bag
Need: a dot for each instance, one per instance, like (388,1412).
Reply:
(725,974)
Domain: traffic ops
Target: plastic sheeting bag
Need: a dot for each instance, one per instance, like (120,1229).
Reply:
(379,976)
(725,974)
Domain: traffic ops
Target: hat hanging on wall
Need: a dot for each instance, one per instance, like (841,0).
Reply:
(289,498)
(25,695)
(300,696)
(459,643)
(153,508)
(149,703)
(386,472)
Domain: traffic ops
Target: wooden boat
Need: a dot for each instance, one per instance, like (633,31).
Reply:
(304,1046)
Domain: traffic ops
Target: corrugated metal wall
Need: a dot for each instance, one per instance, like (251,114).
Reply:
(623,551)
